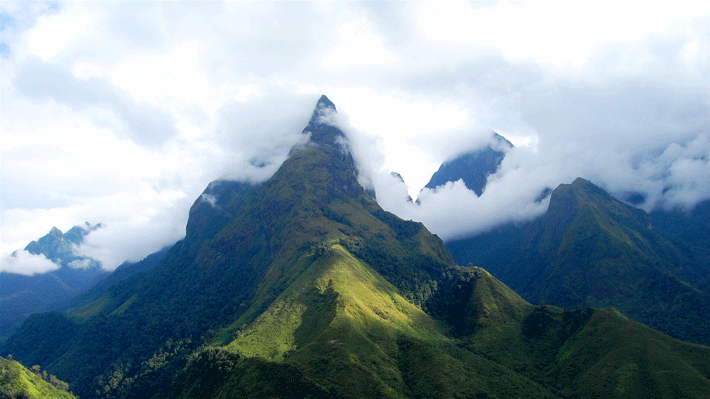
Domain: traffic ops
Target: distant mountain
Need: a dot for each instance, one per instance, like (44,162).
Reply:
(59,247)
(302,286)
(22,295)
(590,249)
(472,167)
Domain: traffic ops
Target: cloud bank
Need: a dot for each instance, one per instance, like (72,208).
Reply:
(25,263)
(673,176)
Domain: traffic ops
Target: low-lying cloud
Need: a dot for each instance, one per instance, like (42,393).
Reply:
(673,176)
(25,263)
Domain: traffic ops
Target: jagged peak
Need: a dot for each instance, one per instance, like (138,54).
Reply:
(324,102)
(321,126)
(323,111)
(473,166)
(498,139)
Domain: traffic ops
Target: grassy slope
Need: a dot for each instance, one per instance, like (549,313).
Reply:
(18,381)
(622,359)
(587,353)
(349,330)
(592,250)
(345,328)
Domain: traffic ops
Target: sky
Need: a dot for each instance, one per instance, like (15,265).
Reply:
(121,113)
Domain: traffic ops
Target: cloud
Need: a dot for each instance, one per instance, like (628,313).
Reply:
(453,211)
(23,262)
(143,123)
(81,264)
(678,177)
(675,177)
(255,136)
(158,220)
(210,199)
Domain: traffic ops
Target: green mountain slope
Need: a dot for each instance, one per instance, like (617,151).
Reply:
(591,250)
(122,272)
(16,381)
(302,286)
(586,353)
(351,332)
(689,231)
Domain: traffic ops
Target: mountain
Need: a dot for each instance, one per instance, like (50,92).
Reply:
(590,249)
(16,381)
(303,287)
(689,231)
(22,295)
(122,272)
(472,167)
(58,247)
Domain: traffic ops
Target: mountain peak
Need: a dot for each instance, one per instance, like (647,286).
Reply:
(322,124)
(581,182)
(567,197)
(323,111)
(567,201)
(473,167)
(583,189)
(324,102)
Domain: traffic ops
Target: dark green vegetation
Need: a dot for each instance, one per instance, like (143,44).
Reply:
(303,287)
(590,249)
(122,272)
(22,295)
(16,381)
(689,231)
(472,167)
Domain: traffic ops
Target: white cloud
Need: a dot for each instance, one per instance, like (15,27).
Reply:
(678,177)
(23,262)
(80,264)
(54,34)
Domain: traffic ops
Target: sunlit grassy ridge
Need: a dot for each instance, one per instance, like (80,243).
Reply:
(350,330)
(338,289)
(16,381)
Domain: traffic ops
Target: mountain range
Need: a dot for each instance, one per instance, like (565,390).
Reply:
(22,295)
(590,249)
(302,286)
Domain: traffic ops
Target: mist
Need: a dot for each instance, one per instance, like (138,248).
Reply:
(673,176)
